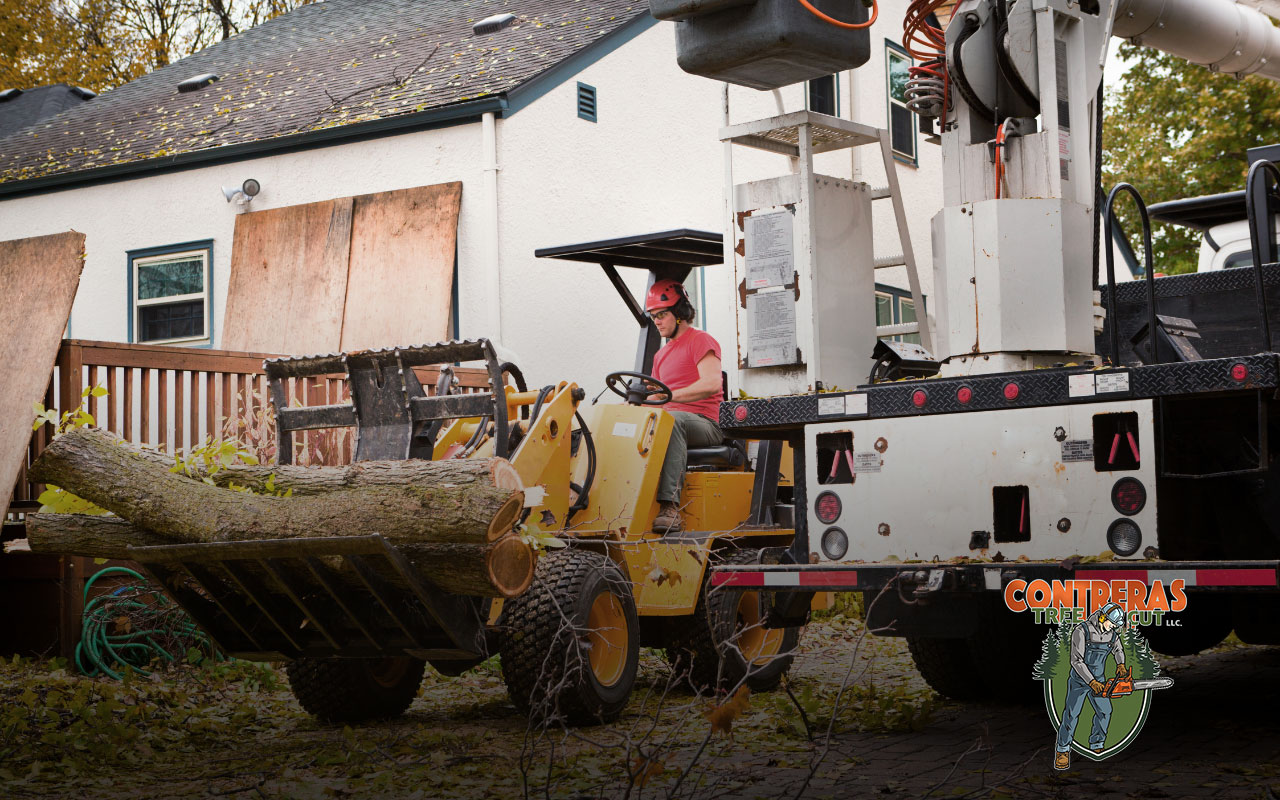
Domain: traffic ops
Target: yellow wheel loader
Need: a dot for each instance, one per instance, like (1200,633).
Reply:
(357,622)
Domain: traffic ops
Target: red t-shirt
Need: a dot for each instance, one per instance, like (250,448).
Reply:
(676,365)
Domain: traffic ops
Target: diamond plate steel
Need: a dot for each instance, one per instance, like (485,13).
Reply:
(1194,283)
(1035,388)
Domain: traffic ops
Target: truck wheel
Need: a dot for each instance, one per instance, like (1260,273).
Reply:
(344,690)
(571,643)
(948,666)
(1204,624)
(724,641)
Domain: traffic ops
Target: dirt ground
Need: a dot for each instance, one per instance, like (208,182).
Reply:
(234,730)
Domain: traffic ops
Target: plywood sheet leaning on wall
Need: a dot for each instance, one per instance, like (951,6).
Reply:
(400,281)
(38,280)
(289,279)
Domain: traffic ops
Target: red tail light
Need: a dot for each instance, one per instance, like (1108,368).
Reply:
(828,507)
(1128,496)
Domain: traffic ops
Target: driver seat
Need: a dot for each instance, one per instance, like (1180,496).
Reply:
(732,454)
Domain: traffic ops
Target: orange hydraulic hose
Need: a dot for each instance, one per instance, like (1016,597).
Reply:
(875,12)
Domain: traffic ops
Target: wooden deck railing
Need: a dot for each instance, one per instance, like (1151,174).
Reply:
(174,398)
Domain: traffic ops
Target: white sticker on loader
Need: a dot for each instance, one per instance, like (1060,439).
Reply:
(625,429)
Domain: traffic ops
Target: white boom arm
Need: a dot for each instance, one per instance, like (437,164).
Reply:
(1222,35)
(1014,242)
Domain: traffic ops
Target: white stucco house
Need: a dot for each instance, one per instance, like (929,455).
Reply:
(572,123)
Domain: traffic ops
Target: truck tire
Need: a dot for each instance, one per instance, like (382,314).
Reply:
(1205,623)
(571,643)
(347,690)
(992,664)
(948,666)
(723,643)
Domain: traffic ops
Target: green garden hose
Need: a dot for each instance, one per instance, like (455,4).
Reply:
(134,626)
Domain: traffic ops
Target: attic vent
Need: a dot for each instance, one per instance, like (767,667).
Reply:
(83,93)
(9,94)
(587,102)
(198,82)
(492,24)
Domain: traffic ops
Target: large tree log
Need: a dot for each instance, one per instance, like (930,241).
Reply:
(501,569)
(306,481)
(87,535)
(498,569)
(467,508)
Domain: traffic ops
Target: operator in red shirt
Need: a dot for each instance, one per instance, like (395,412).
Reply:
(689,364)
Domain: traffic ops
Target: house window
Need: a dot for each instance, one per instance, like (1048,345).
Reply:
(169,294)
(587,102)
(824,95)
(902,123)
(894,306)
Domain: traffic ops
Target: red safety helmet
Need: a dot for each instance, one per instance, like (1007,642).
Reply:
(664,294)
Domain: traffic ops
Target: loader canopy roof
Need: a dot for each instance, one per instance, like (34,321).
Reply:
(669,254)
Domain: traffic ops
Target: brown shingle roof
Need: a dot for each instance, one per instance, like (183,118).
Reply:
(323,65)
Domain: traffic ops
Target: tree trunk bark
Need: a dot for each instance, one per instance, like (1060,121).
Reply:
(463,505)
(87,535)
(307,481)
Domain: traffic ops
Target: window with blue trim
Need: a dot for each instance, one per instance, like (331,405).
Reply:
(170,294)
(894,306)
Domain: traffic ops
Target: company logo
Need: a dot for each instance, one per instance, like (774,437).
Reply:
(1098,671)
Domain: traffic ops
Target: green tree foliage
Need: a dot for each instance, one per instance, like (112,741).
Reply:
(1175,129)
(101,44)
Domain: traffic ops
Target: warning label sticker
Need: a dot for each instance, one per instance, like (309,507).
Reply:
(1077,450)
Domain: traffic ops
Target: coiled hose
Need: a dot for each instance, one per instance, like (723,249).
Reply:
(134,626)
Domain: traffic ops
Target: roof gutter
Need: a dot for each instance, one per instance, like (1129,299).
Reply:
(441,117)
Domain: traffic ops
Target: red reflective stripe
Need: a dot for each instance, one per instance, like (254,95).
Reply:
(1112,575)
(829,578)
(737,579)
(1236,577)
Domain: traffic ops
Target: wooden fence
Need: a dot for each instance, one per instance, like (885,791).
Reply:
(175,398)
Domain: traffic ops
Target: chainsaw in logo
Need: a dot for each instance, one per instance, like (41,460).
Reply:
(1095,715)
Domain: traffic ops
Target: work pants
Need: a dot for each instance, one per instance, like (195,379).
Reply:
(1095,659)
(691,430)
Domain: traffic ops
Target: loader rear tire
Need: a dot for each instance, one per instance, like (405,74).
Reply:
(948,666)
(724,643)
(571,643)
(347,690)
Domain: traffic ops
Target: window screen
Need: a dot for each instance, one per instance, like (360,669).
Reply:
(823,95)
(170,296)
(902,122)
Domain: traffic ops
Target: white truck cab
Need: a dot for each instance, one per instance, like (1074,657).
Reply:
(1221,219)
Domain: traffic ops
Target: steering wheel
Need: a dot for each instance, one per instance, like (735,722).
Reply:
(638,392)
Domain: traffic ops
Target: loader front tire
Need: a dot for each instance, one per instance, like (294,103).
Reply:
(348,690)
(724,643)
(571,643)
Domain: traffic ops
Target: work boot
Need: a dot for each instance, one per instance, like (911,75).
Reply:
(668,519)
(1097,750)
(1062,760)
